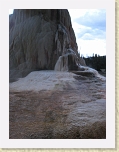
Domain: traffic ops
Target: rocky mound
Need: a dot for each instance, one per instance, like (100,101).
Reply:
(58,105)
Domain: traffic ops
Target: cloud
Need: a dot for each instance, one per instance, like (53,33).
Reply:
(88,47)
(87,33)
(95,20)
(92,25)
(76,13)
(90,29)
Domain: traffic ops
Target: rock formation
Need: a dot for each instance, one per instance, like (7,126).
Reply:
(57,105)
(38,38)
(60,98)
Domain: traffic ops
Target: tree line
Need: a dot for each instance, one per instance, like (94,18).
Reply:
(96,62)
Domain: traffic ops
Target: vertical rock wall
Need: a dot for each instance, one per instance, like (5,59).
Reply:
(38,38)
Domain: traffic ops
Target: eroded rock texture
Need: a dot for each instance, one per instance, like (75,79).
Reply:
(38,37)
(57,105)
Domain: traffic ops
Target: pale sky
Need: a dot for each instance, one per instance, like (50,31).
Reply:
(90,30)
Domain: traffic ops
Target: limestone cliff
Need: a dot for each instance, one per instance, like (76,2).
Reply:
(38,38)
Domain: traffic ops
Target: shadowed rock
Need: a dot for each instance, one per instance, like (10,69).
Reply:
(37,38)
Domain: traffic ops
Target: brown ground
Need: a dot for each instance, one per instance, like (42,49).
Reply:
(67,114)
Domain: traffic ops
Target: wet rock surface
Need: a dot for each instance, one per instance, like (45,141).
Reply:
(73,108)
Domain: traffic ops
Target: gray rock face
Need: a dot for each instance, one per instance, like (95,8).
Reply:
(37,39)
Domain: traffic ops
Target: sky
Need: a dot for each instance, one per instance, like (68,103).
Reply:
(90,30)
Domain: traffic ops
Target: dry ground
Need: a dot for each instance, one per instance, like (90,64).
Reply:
(67,113)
